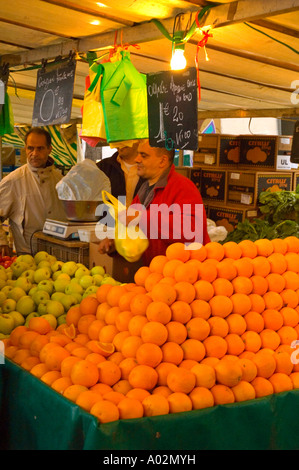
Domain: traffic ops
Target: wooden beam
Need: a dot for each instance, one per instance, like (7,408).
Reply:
(247,113)
(33,28)
(277,27)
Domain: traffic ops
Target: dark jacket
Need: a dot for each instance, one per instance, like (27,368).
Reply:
(112,169)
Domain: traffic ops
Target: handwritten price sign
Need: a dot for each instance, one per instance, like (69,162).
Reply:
(172,109)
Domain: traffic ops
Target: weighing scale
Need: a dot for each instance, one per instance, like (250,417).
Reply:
(66,229)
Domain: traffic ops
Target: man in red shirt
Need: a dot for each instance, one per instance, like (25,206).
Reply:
(172,206)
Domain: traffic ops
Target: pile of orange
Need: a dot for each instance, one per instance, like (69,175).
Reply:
(198,327)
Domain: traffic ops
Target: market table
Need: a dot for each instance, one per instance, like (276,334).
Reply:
(35,417)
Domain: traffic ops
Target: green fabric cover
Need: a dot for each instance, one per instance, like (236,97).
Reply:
(35,417)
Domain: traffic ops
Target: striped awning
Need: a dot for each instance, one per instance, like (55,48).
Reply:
(63,153)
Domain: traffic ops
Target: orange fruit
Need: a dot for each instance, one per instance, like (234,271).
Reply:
(39,370)
(244,267)
(185,291)
(207,271)
(105,349)
(111,315)
(61,384)
(67,364)
(226,269)
(222,394)
(223,287)
(81,339)
(276,282)
(295,379)
(205,375)
(87,399)
(178,251)
(179,402)
(55,356)
(73,391)
(292,244)
(252,341)
(200,309)
(270,339)
(141,275)
(89,305)
(138,394)
(215,250)
(37,344)
(102,310)
(136,324)
(39,324)
(235,344)
(181,380)
(273,319)
(159,311)
(143,376)
(177,332)
(85,373)
(265,364)
(114,294)
(149,354)
(125,300)
(228,373)
(198,328)
(292,260)
(116,357)
(186,272)
(119,338)
(264,247)
(248,248)
(163,370)
(236,323)
(26,339)
(242,285)
(201,397)
(248,368)
(281,382)
(85,321)
(261,266)
(204,290)
(215,346)
(197,252)
(130,346)
(155,405)
(243,391)
(139,304)
(232,250)
(73,315)
(193,349)
(16,334)
(50,377)
(241,303)
(279,246)
(290,316)
(109,372)
(114,397)
(283,362)
(94,329)
(262,387)
(172,352)
(107,333)
(29,362)
(157,263)
(254,321)
(105,411)
(287,335)
(151,280)
(154,332)
(257,303)
(102,389)
(180,311)
(130,408)
(162,390)
(170,267)
(273,300)
(278,263)
(221,306)
(218,326)
(260,284)
(122,320)
(290,298)
(102,291)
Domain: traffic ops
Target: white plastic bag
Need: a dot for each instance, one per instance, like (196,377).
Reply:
(84,182)
(216,233)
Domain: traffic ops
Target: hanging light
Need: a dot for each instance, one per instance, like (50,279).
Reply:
(178,60)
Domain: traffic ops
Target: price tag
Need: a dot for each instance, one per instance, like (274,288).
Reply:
(246,198)
(235,176)
(209,159)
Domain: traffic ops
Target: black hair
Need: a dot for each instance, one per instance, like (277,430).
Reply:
(40,131)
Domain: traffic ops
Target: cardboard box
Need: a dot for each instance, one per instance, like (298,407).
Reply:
(8,155)
(213,185)
(283,162)
(230,216)
(195,176)
(258,151)
(273,182)
(217,150)
(295,180)
(241,187)
(229,150)
(185,171)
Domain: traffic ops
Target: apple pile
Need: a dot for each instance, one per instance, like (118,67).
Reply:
(6,261)
(41,285)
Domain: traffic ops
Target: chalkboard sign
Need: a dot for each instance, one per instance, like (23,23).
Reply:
(295,144)
(54,95)
(172,109)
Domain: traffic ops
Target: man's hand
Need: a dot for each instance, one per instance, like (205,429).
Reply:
(106,246)
(5,250)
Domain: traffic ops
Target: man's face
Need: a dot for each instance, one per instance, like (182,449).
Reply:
(126,153)
(37,150)
(150,165)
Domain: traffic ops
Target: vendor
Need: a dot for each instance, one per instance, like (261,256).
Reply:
(28,195)
(184,219)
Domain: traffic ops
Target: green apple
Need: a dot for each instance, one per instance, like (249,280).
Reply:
(46,285)
(90,290)
(2,283)
(68,300)
(24,283)
(9,273)
(57,266)
(61,319)
(52,259)
(74,288)
(26,258)
(32,290)
(25,305)
(31,315)
(55,308)
(51,319)
(40,296)
(3,275)
(57,296)
(42,307)
(97,270)
(81,271)
(69,267)
(77,296)
(98,278)
(7,323)
(3,336)
(86,281)
(16,293)
(18,318)
(29,273)
(42,273)
(18,267)
(60,285)
(109,280)
(3,297)
(44,264)
(8,305)
(40,256)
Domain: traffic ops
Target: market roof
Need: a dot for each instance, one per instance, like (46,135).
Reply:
(253,52)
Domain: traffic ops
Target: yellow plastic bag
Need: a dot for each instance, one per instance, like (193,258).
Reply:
(130,242)
(93,122)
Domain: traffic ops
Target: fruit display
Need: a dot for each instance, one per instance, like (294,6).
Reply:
(197,328)
(41,285)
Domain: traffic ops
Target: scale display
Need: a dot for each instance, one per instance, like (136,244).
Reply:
(65,230)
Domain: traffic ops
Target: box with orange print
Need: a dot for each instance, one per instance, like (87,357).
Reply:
(230,216)
(213,185)
(217,150)
(258,151)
